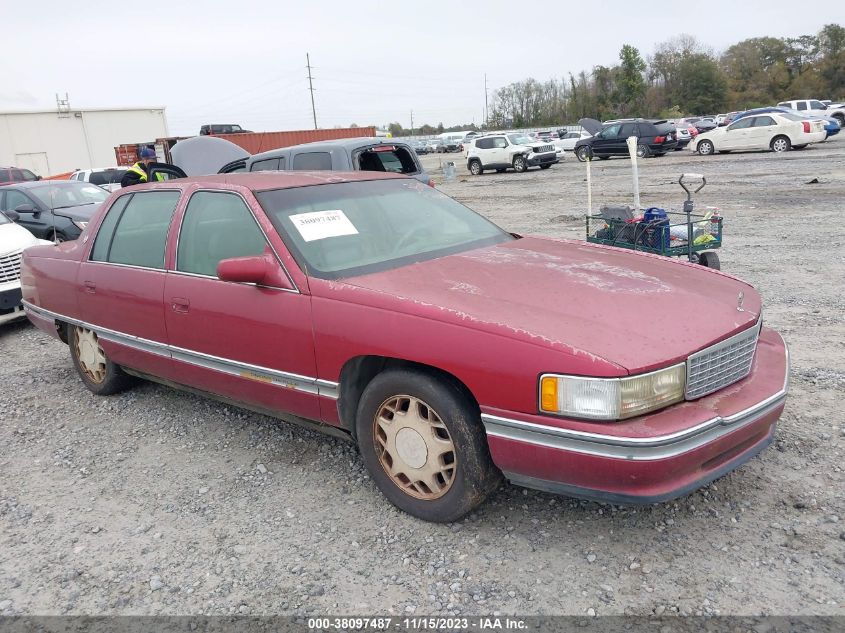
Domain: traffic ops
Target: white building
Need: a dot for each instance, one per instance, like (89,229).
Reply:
(52,142)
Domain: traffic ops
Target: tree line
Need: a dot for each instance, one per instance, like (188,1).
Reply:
(683,77)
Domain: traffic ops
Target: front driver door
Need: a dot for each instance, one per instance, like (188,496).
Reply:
(250,343)
(604,140)
(738,135)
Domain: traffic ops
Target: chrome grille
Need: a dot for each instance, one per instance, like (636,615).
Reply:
(544,148)
(10,267)
(721,364)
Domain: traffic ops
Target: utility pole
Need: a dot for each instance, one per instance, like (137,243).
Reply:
(486,118)
(311,88)
(412,122)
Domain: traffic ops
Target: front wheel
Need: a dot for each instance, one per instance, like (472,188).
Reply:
(705,148)
(97,372)
(520,165)
(643,151)
(781,144)
(423,443)
(475,167)
(583,153)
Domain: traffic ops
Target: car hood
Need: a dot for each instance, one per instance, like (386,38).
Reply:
(14,237)
(711,134)
(83,212)
(205,155)
(637,311)
(591,125)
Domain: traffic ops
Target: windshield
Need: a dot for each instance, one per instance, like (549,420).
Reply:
(520,139)
(69,194)
(107,177)
(354,228)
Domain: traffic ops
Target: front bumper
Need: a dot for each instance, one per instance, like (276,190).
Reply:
(653,458)
(10,305)
(547,158)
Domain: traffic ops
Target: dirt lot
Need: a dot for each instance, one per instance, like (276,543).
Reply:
(158,502)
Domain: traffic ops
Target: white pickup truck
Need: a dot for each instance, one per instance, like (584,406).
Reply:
(816,108)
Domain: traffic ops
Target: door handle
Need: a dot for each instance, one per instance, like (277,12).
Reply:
(90,287)
(180,304)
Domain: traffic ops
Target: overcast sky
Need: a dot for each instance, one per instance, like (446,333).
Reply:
(244,62)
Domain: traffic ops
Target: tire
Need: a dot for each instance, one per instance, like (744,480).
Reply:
(424,413)
(643,151)
(475,167)
(583,153)
(705,148)
(840,118)
(544,166)
(780,144)
(710,259)
(101,376)
(520,165)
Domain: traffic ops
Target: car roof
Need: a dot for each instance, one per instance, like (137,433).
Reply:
(267,180)
(346,143)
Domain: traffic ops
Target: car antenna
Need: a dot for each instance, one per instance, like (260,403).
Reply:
(52,212)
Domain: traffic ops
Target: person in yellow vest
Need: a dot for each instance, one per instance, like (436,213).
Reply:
(139,172)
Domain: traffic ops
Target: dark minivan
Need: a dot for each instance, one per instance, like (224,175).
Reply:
(655,138)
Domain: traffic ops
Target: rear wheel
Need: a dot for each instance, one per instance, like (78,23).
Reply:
(423,443)
(520,165)
(643,151)
(705,147)
(475,167)
(710,260)
(99,374)
(781,144)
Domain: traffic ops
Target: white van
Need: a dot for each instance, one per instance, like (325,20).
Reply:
(458,136)
(13,240)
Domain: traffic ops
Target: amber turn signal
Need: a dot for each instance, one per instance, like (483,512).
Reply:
(548,394)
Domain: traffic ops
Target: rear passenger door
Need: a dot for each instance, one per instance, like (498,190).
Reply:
(251,343)
(121,283)
(762,131)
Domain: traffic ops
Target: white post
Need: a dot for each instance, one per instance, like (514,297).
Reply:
(589,189)
(632,150)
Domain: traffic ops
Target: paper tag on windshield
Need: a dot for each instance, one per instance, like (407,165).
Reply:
(318,225)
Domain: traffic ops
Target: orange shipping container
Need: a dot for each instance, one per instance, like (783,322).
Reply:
(257,142)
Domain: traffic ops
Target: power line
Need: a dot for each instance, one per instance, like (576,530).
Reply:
(311,88)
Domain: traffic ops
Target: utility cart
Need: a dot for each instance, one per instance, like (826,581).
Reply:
(667,233)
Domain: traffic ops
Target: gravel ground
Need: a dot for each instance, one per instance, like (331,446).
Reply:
(159,502)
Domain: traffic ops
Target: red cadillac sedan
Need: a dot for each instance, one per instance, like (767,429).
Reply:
(451,351)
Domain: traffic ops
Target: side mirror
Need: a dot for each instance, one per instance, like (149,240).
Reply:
(250,270)
(38,177)
(26,208)
(12,215)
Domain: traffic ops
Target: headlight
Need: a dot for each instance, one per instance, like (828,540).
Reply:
(612,398)
(81,225)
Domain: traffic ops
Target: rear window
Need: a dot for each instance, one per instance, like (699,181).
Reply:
(108,177)
(392,158)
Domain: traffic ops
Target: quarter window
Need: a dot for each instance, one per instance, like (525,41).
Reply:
(216,226)
(270,164)
(140,232)
(316,161)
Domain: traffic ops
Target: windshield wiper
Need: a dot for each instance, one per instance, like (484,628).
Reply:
(68,206)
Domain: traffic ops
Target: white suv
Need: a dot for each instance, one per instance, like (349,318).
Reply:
(512,150)
(816,108)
